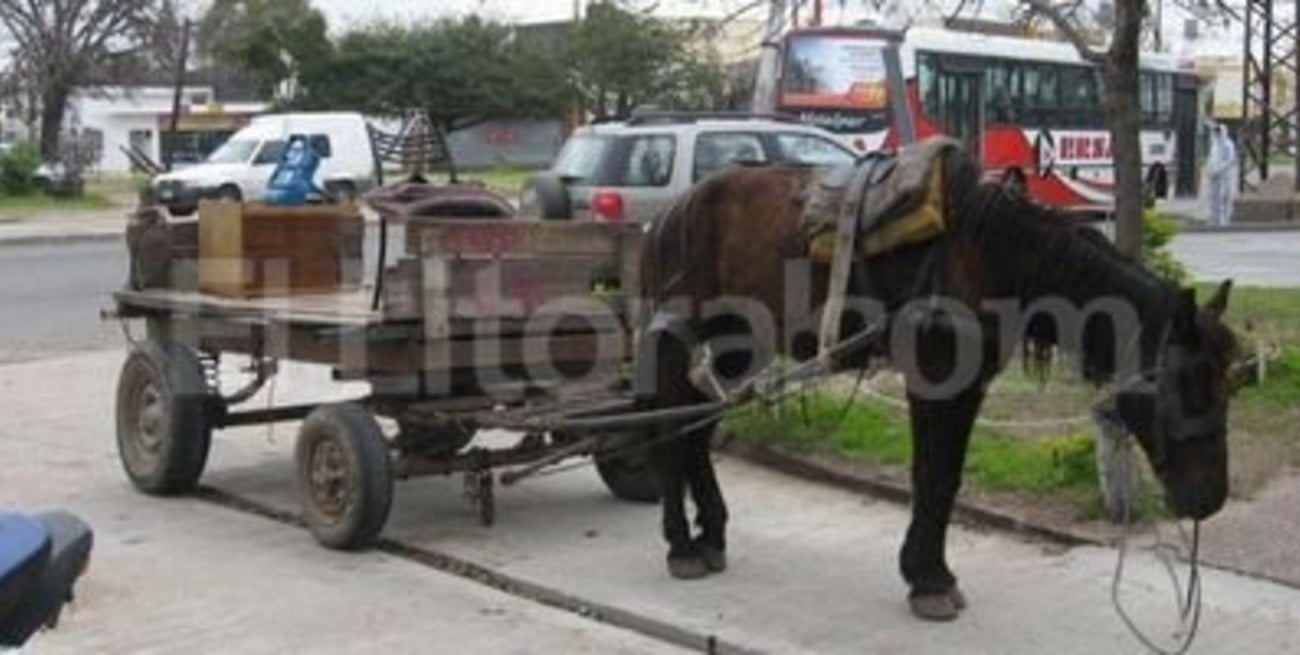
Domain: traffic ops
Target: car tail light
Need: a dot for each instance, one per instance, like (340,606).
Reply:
(607,206)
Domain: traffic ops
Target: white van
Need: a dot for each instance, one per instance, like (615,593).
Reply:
(240,169)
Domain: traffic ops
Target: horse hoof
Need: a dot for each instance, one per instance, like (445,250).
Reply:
(714,559)
(688,568)
(958,598)
(934,607)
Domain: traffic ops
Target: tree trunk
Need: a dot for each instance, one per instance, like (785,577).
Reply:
(54,104)
(1124,114)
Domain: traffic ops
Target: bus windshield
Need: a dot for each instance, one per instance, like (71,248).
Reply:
(836,81)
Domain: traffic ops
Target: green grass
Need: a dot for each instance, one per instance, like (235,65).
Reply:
(504,179)
(1264,424)
(88,201)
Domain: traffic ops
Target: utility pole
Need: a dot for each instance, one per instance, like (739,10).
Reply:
(764,101)
(182,60)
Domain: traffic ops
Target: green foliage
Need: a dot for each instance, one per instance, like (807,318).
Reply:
(459,70)
(18,170)
(1061,465)
(275,40)
(620,59)
(1157,231)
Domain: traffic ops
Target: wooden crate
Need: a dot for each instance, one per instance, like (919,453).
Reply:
(249,250)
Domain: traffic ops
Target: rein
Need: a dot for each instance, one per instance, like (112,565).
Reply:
(1188,604)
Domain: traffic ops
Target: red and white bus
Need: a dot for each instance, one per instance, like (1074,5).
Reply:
(1031,109)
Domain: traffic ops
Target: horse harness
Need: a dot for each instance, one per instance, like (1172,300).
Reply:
(882,202)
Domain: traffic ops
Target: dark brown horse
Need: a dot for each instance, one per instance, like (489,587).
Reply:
(731,241)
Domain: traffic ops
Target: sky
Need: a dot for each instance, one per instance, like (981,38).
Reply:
(344,13)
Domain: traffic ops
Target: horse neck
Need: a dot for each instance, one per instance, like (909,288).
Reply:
(1058,262)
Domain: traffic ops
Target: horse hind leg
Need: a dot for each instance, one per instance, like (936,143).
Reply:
(711,509)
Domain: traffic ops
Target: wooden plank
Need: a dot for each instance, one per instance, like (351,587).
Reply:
(522,287)
(466,238)
(338,308)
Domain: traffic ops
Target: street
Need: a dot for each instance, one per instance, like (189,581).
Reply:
(813,569)
(52,294)
(1250,258)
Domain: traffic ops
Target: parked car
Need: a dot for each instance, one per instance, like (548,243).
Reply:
(240,169)
(57,179)
(631,170)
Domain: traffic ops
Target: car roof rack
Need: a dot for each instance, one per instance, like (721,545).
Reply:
(664,117)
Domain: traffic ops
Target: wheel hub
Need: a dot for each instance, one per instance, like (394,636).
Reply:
(149,423)
(330,489)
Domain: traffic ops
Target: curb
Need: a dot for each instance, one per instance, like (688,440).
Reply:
(877,486)
(50,239)
(1197,227)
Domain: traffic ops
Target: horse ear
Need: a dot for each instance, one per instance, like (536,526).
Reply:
(1218,303)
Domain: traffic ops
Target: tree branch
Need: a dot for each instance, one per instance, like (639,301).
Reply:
(1067,28)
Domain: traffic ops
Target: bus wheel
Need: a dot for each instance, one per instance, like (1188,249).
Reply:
(1014,182)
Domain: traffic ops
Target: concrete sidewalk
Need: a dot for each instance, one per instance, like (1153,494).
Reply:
(812,569)
(186,576)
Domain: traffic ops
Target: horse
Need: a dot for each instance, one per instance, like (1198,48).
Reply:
(729,239)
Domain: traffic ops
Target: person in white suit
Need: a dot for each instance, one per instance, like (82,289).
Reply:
(1219,168)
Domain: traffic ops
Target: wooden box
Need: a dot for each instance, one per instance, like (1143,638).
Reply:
(256,250)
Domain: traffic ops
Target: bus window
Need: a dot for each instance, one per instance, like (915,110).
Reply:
(1080,104)
(1146,95)
(1164,99)
(927,86)
(1049,103)
(997,91)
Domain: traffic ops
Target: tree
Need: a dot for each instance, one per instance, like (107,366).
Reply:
(460,71)
(61,43)
(278,41)
(621,59)
(1119,68)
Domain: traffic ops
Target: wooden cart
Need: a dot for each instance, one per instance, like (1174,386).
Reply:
(505,323)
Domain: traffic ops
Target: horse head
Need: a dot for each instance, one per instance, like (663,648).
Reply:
(1178,410)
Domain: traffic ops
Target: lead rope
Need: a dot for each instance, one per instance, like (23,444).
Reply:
(1189,604)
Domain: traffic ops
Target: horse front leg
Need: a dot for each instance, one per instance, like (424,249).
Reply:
(940,433)
(670,461)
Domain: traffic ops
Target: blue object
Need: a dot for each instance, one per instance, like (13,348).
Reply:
(24,551)
(294,178)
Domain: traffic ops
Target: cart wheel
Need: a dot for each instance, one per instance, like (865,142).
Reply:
(163,433)
(345,476)
(627,475)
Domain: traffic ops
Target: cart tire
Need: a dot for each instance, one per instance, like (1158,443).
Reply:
(628,476)
(163,435)
(345,476)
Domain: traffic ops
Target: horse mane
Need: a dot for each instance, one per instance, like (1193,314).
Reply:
(1037,252)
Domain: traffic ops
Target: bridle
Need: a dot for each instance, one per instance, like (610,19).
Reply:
(1163,384)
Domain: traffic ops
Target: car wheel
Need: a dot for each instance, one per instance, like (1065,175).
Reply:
(547,195)
(230,192)
(342,192)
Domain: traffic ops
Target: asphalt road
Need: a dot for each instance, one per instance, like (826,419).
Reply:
(1250,258)
(51,294)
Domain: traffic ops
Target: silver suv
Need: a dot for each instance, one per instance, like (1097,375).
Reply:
(630,171)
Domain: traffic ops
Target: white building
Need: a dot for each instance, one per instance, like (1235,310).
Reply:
(139,116)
